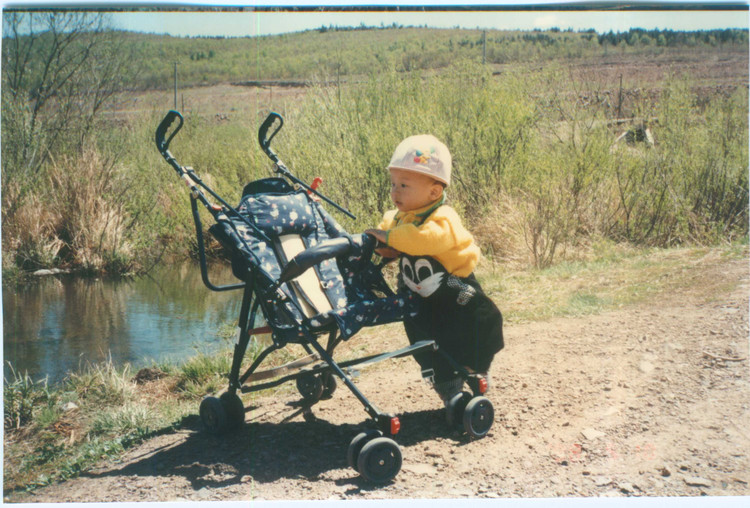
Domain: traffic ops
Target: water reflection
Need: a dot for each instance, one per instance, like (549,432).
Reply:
(59,323)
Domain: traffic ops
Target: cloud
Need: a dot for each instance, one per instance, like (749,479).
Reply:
(548,21)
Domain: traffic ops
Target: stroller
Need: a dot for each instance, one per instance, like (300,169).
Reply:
(308,278)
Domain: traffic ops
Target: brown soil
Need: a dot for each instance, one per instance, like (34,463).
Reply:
(649,400)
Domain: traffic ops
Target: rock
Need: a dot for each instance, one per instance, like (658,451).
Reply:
(637,134)
(592,434)
(665,472)
(697,481)
(51,271)
(70,406)
(148,374)
(646,367)
(424,469)
(626,487)
(602,481)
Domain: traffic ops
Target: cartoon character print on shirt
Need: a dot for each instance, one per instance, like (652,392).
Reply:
(427,277)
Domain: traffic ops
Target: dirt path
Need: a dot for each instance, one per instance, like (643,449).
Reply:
(651,400)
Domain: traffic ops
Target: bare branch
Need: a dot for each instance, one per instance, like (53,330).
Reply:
(59,70)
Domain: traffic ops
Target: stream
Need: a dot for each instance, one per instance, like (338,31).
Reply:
(60,323)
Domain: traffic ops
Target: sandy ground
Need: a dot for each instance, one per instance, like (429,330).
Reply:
(650,400)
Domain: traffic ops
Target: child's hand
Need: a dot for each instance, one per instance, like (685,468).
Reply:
(387,252)
(382,250)
(378,234)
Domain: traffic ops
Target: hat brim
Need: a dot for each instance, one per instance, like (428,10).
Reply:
(426,171)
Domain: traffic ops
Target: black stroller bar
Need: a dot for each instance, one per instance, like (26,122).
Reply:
(265,144)
(191,179)
(322,367)
(202,253)
(195,184)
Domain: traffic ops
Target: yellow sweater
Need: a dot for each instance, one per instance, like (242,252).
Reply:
(436,231)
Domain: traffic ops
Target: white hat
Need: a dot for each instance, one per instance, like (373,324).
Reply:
(424,154)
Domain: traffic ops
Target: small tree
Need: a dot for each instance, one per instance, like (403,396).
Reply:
(59,69)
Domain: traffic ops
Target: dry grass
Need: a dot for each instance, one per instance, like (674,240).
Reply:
(616,276)
(93,219)
(502,234)
(77,219)
(30,234)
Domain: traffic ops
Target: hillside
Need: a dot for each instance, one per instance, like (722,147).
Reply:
(329,53)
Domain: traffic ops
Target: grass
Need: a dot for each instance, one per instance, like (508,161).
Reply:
(618,276)
(48,440)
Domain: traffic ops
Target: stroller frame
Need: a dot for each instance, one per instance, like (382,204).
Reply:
(373,453)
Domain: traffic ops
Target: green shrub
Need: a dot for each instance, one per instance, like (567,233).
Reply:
(102,383)
(23,398)
(692,187)
(127,420)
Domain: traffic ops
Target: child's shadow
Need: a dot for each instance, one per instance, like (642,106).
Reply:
(271,451)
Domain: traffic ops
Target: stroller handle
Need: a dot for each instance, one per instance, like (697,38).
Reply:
(265,142)
(164,126)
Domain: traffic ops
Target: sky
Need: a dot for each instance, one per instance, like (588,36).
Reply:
(235,23)
(267,23)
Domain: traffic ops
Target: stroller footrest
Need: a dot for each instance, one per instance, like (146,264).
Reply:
(407,351)
(283,369)
(292,370)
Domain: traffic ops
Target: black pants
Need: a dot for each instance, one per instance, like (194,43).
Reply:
(471,333)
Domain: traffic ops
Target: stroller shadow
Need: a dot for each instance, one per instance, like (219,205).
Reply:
(271,451)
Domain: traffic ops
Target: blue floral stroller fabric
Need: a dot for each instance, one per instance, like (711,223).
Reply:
(353,286)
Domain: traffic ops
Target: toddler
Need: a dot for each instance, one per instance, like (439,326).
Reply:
(437,259)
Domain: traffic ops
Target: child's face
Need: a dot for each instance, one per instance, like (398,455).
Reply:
(410,190)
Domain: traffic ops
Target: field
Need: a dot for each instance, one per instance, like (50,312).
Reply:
(711,73)
(574,125)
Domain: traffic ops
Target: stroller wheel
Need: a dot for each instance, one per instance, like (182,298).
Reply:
(329,386)
(478,417)
(360,440)
(214,415)
(234,409)
(310,386)
(380,460)
(454,409)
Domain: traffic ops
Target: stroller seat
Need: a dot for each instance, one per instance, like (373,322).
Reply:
(336,284)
